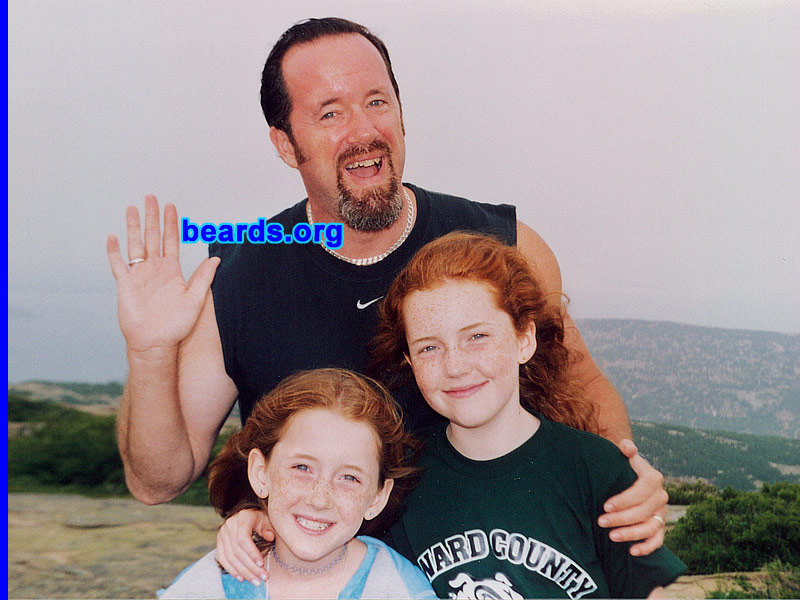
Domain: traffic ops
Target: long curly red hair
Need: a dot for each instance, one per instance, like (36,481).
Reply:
(545,385)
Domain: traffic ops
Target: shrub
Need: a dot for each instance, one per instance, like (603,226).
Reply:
(76,450)
(683,493)
(67,450)
(740,531)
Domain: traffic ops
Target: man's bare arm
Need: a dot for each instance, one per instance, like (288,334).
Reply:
(172,411)
(632,513)
(177,394)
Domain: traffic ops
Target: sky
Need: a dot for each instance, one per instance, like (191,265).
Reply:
(654,145)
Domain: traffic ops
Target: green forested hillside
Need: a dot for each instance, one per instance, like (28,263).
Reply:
(725,459)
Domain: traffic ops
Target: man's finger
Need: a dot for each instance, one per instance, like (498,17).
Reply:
(152,228)
(253,562)
(201,279)
(171,243)
(649,545)
(135,246)
(654,504)
(627,447)
(243,569)
(634,533)
(117,264)
(648,488)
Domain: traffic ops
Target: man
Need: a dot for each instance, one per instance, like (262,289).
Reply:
(333,106)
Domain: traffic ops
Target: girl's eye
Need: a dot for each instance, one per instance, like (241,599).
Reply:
(478,336)
(303,468)
(427,349)
(352,478)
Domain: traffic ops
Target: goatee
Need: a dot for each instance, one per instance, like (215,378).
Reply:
(374,209)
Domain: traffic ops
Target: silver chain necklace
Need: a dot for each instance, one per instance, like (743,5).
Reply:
(362,262)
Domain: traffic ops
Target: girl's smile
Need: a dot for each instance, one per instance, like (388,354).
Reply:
(321,480)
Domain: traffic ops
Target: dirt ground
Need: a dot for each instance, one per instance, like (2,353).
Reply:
(65,546)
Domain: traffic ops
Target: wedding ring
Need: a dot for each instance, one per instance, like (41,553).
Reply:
(660,520)
(135,261)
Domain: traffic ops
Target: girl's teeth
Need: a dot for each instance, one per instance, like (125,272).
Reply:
(315,525)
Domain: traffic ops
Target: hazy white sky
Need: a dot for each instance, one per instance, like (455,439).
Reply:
(655,146)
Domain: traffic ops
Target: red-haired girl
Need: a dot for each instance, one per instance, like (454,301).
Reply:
(319,455)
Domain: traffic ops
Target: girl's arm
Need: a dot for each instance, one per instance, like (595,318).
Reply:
(236,551)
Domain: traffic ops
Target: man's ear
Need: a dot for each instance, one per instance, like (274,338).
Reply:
(280,139)
(527,343)
(381,498)
(257,472)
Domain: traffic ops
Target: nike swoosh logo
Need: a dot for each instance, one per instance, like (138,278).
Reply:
(362,306)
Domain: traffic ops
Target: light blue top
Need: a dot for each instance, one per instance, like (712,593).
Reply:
(383,573)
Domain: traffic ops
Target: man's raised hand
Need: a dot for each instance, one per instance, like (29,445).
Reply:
(157,307)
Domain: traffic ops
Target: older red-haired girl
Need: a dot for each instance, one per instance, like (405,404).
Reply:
(512,489)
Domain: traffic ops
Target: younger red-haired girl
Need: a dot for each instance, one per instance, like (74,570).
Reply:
(319,455)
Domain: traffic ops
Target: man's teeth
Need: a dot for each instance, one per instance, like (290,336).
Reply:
(315,525)
(365,163)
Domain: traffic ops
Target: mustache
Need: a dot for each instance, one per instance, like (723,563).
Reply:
(359,149)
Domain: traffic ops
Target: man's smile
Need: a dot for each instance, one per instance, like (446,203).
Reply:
(365,168)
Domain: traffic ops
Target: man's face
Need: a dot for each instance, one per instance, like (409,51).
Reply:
(348,130)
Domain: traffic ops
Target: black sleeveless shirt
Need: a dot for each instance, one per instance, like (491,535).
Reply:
(283,308)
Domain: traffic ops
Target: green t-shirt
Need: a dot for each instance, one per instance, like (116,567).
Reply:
(525,525)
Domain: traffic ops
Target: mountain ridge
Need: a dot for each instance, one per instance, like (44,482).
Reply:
(710,378)
(737,380)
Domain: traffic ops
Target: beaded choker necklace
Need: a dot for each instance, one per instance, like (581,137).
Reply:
(361,262)
(302,570)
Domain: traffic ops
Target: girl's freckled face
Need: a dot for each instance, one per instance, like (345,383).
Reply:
(465,353)
(322,478)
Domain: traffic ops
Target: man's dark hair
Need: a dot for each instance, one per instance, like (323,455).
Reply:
(275,100)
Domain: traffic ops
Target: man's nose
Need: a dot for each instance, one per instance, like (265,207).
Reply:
(361,128)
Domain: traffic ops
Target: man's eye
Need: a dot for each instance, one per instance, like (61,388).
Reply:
(352,478)
(328,115)
(377,102)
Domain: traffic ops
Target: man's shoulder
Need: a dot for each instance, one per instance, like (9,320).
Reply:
(446,213)
(451,200)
